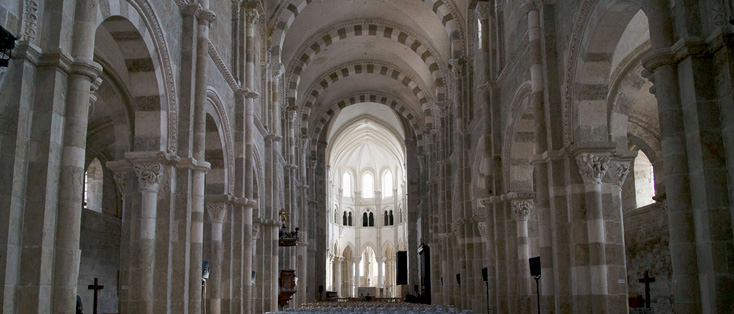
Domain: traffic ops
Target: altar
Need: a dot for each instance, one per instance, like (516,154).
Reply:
(367,291)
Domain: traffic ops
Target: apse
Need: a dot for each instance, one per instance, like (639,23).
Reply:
(366,155)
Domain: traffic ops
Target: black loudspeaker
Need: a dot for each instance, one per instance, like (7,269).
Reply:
(321,288)
(535,266)
(458,279)
(401,277)
(484,273)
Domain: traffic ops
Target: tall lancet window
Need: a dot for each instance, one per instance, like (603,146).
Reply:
(93,178)
(368,185)
(387,184)
(644,180)
(347,184)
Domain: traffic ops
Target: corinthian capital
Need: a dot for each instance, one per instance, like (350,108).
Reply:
(149,174)
(522,209)
(592,167)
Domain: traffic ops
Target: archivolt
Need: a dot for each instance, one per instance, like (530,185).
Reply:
(359,98)
(287,15)
(363,67)
(377,29)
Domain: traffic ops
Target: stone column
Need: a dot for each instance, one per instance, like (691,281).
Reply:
(204,18)
(302,254)
(380,274)
(83,72)
(522,210)
(16,105)
(683,252)
(217,213)
(148,171)
(250,233)
(592,169)
(356,275)
(337,276)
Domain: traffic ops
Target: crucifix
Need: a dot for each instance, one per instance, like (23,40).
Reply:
(96,287)
(647,280)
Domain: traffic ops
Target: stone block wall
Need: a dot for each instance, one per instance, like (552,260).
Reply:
(100,245)
(646,238)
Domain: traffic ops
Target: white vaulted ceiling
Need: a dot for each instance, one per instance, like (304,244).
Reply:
(366,137)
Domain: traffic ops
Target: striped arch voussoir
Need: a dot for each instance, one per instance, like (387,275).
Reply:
(376,29)
(365,67)
(448,16)
(333,110)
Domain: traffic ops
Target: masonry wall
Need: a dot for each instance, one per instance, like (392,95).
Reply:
(646,240)
(100,245)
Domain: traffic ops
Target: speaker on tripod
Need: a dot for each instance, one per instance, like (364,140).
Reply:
(535,272)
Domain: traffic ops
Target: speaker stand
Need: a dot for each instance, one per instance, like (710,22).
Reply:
(537,290)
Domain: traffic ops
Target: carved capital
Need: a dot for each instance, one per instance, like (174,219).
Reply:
(255,231)
(592,167)
(482,226)
(217,211)
(247,93)
(190,9)
(149,174)
(483,10)
(456,67)
(252,15)
(206,16)
(522,209)
(292,114)
(120,182)
(620,171)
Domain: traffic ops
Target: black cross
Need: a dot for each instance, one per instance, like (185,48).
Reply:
(96,287)
(647,280)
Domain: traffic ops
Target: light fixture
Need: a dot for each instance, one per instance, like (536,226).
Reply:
(7,44)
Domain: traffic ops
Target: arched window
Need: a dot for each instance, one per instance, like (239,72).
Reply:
(392,219)
(347,184)
(93,179)
(365,220)
(644,180)
(387,184)
(344,219)
(368,185)
(386,220)
(349,222)
(372,220)
(479,33)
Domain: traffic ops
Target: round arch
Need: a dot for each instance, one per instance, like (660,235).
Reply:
(162,104)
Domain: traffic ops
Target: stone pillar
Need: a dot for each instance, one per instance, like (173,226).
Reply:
(252,16)
(683,253)
(380,274)
(592,169)
(204,19)
(250,233)
(337,275)
(217,213)
(16,105)
(83,72)
(356,275)
(148,171)
(302,254)
(522,210)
